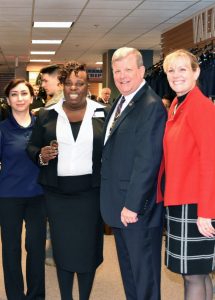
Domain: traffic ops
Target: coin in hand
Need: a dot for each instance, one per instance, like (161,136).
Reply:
(54,143)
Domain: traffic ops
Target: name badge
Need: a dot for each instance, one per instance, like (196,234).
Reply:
(98,114)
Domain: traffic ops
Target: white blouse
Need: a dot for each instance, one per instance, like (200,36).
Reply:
(75,156)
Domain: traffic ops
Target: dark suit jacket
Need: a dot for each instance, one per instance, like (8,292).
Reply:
(131,160)
(45,131)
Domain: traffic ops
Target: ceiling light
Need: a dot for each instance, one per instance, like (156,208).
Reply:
(40,60)
(47,42)
(99,63)
(52,24)
(43,52)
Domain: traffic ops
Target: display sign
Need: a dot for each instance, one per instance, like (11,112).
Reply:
(204,26)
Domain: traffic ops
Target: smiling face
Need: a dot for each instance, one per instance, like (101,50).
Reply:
(20,98)
(181,75)
(75,90)
(127,75)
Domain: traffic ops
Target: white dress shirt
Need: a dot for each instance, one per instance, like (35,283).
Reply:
(75,156)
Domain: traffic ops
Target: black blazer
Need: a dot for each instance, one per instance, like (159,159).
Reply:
(131,160)
(45,131)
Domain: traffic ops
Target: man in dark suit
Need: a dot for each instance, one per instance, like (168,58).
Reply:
(130,164)
(38,101)
(105,96)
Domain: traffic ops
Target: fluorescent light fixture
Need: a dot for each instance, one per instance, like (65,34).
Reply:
(99,63)
(55,42)
(52,24)
(43,52)
(40,60)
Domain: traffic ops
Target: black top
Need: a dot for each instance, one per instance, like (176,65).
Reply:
(75,126)
(181,99)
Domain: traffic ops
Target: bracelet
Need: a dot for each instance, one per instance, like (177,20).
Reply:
(41,162)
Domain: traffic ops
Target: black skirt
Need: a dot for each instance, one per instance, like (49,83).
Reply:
(76,227)
(187,250)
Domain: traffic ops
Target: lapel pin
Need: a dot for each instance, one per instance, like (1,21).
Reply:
(130,103)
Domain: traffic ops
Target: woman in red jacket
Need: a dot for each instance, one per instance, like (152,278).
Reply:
(189,154)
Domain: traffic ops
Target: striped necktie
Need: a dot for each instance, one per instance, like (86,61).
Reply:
(118,112)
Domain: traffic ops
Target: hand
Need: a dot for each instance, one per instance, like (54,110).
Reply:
(48,153)
(128,216)
(35,111)
(205,227)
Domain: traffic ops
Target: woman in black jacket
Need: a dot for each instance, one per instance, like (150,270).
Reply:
(67,143)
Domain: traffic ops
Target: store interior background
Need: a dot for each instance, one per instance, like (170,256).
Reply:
(99,27)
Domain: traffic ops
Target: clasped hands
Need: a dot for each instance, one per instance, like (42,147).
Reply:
(128,216)
(48,153)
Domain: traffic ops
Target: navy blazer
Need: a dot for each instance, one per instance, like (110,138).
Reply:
(45,131)
(131,160)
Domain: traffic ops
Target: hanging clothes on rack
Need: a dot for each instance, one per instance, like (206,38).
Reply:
(207,75)
(156,77)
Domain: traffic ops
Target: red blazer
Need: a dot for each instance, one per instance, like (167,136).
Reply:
(189,154)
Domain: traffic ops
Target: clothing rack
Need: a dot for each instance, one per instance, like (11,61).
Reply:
(203,54)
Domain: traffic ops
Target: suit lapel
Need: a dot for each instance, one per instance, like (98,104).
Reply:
(96,135)
(127,110)
(111,112)
(97,145)
(107,119)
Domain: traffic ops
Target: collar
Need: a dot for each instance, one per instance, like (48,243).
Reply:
(17,125)
(128,98)
(91,105)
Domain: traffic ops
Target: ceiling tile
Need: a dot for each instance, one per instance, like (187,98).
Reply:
(99,25)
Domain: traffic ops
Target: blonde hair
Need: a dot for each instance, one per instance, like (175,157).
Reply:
(180,53)
(124,52)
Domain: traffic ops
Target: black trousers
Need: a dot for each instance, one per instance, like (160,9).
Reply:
(139,254)
(13,211)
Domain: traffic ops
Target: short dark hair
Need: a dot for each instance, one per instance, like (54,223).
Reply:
(50,69)
(70,67)
(14,82)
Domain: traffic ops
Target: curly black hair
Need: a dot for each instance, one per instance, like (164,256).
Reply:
(70,67)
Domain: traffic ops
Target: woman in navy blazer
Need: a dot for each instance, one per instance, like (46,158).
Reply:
(67,144)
